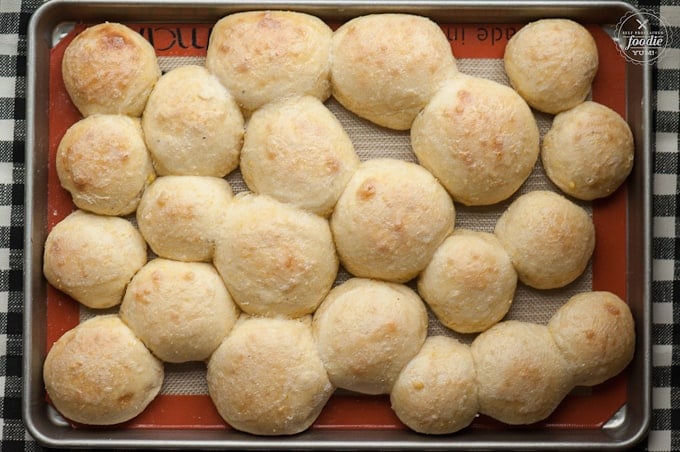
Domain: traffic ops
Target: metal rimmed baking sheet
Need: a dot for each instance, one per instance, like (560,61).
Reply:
(53,20)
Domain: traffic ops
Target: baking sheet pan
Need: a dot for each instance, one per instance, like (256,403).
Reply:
(350,422)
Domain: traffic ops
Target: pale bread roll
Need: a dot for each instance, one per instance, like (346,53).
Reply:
(180,310)
(179,216)
(102,160)
(296,151)
(192,124)
(109,68)
(479,138)
(100,373)
(470,282)
(93,257)
(386,67)
(436,393)
(266,378)
(595,332)
(588,152)
(521,374)
(367,331)
(263,56)
(275,259)
(549,238)
(552,63)
(390,219)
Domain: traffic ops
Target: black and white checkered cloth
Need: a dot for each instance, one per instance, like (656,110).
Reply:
(665,427)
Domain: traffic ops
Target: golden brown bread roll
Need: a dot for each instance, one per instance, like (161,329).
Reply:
(296,151)
(521,374)
(436,393)
(479,138)
(386,67)
(192,124)
(100,373)
(180,310)
(390,219)
(179,216)
(470,282)
(552,63)
(367,331)
(588,151)
(263,56)
(102,160)
(549,238)
(266,377)
(93,257)
(595,332)
(109,68)
(275,259)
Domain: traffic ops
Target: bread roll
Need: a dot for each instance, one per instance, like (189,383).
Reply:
(595,332)
(521,375)
(479,138)
(93,257)
(109,68)
(275,259)
(367,331)
(386,67)
(552,63)
(470,282)
(266,378)
(179,216)
(390,219)
(588,151)
(549,238)
(436,393)
(297,152)
(180,310)
(263,56)
(100,373)
(103,162)
(192,124)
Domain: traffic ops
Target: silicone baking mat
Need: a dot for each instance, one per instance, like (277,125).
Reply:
(183,401)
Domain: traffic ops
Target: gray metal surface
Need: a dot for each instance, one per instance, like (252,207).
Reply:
(628,426)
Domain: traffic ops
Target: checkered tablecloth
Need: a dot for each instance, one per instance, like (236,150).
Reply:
(665,425)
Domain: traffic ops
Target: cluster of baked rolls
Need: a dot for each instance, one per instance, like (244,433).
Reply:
(248,282)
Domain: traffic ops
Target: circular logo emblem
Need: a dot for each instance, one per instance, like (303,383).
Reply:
(642,37)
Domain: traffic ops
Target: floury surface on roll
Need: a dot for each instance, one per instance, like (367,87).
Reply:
(103,162)
(266,377)
(550,239)
(275,259)
(297,151)
(479,138)
(179,216)
(110,69)
(100,373)
(595,332)
(192,124)
(367,331)
(93,257)
(470,282)
(263,56)
(390,219)
(436,393)
(180,310)
(552,63)
(386,67)
(521,374)
(588,152)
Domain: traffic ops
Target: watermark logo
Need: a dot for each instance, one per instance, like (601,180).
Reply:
(642,37)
